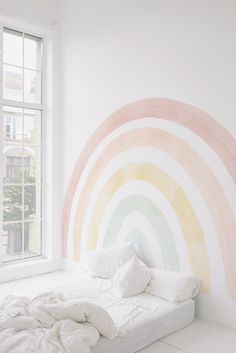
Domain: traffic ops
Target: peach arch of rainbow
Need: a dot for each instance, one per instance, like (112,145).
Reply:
(213,133)
(191,229)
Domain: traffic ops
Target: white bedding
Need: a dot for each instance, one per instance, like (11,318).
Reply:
(49,323)
(141,319)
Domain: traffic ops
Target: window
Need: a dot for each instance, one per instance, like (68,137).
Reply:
(21,135)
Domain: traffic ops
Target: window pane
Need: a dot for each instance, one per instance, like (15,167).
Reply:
(21,151)
(32,127)
(12,47)
(32,238)
(32,165)
(12,164)
(13,125)
(12,241)
(33,52)
(32,202)
(12,83)
(32,86)
(12,203)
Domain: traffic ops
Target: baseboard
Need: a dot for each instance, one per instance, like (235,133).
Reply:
(27,269)
(216,318)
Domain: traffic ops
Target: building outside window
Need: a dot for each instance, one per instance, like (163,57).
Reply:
(21,133)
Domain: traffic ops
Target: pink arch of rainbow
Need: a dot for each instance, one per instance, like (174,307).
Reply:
(212,132)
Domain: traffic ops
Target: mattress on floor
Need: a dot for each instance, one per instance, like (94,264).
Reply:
(141,319)
(165,320)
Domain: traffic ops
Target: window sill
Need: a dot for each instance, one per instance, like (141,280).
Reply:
(27,269)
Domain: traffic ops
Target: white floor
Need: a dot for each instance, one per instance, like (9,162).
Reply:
(200,337)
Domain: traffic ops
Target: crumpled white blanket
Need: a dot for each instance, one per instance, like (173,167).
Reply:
(51,324)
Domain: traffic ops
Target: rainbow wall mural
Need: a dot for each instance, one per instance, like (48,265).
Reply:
(163,173)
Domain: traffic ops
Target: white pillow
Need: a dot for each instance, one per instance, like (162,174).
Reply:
(105,263)
(172,286)
(132,278)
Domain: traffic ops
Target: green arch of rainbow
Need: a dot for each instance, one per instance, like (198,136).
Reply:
(191,229)
(138,237)
(142,204)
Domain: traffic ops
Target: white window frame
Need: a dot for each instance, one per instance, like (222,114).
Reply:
(45,262)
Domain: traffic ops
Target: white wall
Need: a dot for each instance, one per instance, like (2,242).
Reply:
(38,12)
(116,52)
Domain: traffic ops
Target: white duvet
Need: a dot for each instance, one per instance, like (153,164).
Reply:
(51,324)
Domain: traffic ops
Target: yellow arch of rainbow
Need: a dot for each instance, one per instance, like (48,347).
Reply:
(191,228)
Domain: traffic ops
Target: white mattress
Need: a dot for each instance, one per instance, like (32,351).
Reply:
(160,323)
(141,319)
